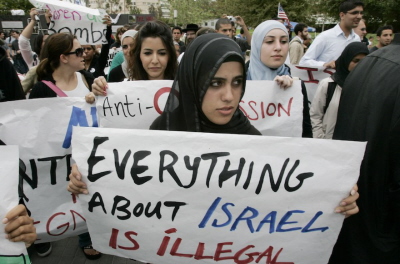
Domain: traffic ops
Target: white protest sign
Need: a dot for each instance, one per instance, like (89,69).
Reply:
(311,77)
(178,197)
(111,55)
(10,252)
(273,111)
(42,128)
(83,22)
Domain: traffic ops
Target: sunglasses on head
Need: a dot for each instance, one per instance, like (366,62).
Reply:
(78,52)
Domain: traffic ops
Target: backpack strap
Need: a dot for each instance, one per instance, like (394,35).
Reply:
(55,89)
(329,94)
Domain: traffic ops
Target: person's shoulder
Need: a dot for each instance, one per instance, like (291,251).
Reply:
(41,90)
(332,32)
(295,41)
(116,74)
(373,49)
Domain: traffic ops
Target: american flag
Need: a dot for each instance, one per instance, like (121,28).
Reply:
(282,14)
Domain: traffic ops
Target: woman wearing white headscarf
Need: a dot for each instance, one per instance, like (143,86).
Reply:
(269,49)
(120,73)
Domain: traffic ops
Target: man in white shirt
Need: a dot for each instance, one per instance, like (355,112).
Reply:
(328,45)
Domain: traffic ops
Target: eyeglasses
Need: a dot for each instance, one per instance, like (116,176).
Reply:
(78,52)
(125,47)
(87,48)
(356,13)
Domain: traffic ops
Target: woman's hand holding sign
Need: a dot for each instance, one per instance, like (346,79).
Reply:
(76,185)
(348,206)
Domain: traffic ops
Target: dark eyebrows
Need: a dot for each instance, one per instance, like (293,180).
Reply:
(283,36)
(224,79)
(152,49)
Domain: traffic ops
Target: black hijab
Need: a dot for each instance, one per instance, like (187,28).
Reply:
(343,62)
(201,61)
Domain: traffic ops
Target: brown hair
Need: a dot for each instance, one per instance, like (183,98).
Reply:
(120,30)
(56,44)
(153,29)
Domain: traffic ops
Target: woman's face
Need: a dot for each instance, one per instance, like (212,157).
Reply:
(126,46)
(154,57)
(355,61)
(223,95)
(275,48)
(89,51)
(75,61)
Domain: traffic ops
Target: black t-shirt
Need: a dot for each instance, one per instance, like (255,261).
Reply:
(116,74)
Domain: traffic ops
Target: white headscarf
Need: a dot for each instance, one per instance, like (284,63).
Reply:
(124,65)
(257,70)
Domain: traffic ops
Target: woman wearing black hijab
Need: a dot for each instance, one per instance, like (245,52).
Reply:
(205,97)
(207,90)
(325,104)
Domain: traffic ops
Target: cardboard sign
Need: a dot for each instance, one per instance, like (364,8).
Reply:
(42,128)
(273,111)
(83,22)
(10,252)
(178,197)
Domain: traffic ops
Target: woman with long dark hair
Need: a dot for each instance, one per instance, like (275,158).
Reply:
(152,56)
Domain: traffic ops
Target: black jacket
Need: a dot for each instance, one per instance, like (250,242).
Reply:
(369,110)
(10,85)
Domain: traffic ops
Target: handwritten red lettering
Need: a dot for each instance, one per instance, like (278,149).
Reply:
(310,75)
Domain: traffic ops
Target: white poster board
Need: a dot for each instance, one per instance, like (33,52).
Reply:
(311,77)
(10,252)
(273,111)
(42,128)
(111,55)
(83,22)
(177,197)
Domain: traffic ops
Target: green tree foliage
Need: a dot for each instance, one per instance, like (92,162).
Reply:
(16,4)
(256,11)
